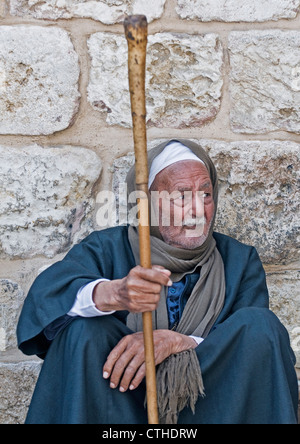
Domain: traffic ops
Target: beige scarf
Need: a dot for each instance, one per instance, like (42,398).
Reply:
(179,380)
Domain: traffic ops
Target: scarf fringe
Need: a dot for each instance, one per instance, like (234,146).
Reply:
(179,384)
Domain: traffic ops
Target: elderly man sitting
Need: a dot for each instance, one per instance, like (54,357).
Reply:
(222,356)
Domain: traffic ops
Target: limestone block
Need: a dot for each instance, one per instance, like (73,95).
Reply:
(2,8)
(183,82)
(285,302)
(265,81)
(237,11)
(258,202)
(46,198)
(258,196)
(17,382)
(106,11)
(11,299)
(39,74)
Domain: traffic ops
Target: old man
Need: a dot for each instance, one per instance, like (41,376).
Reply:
(222,356)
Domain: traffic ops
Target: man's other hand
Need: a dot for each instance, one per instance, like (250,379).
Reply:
(125,365)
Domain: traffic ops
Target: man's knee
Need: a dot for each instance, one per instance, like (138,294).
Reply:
(99,334)
(261,327)
(260,317)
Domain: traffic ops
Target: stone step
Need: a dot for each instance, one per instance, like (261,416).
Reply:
(17,382)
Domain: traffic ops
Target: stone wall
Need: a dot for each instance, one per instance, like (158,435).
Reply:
(224,73)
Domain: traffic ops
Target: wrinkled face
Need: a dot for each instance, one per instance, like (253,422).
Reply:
(183,196)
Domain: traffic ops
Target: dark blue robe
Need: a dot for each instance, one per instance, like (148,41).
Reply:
(246,360)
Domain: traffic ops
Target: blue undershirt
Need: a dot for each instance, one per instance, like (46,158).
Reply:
(178,296)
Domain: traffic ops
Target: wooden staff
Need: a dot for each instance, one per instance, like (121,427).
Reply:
(136,29)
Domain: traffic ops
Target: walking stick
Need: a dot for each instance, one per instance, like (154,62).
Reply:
(136,34)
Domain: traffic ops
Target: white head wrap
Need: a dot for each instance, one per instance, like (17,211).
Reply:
(173,152)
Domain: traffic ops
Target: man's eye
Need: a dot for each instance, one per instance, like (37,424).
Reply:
(182,199)
(177,197)
(178,200)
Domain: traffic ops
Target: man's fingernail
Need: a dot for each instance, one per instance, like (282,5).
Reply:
(170,283)
(112,385)
(122,389)
(105,375)
(131,387)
